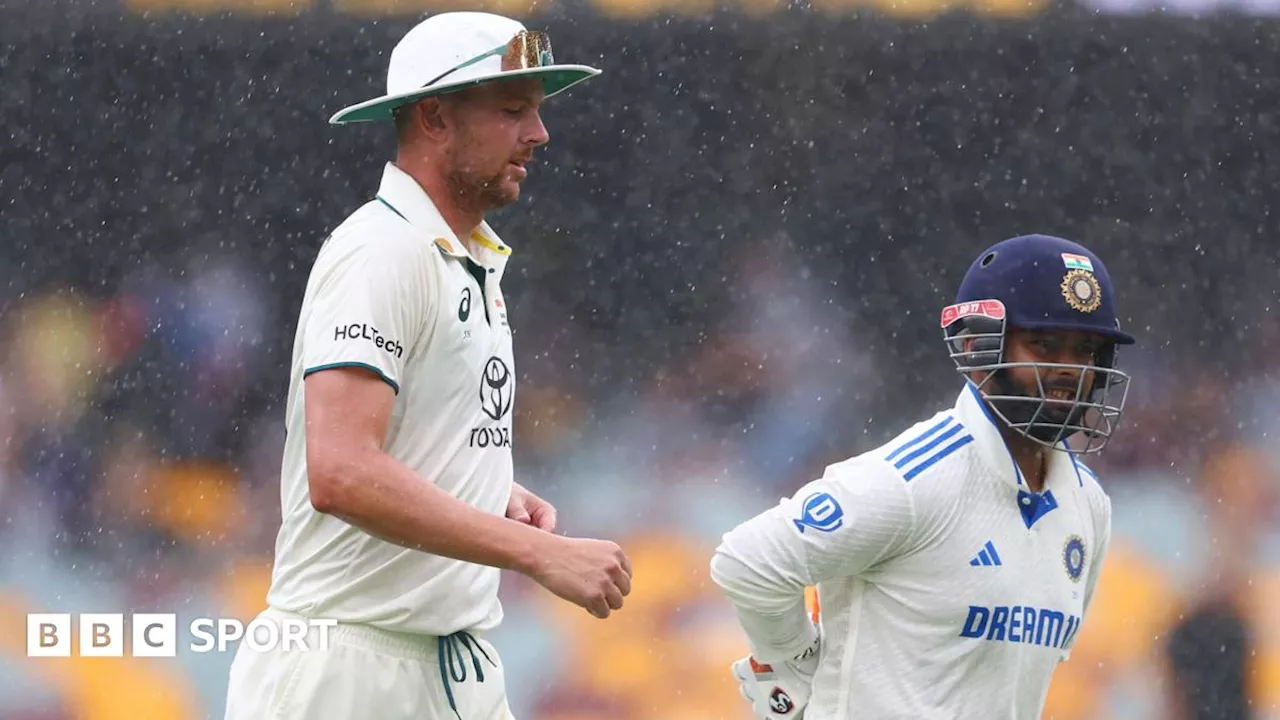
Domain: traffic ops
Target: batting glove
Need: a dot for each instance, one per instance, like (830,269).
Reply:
(779,691)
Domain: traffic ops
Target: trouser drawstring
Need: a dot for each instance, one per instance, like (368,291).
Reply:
(454,667)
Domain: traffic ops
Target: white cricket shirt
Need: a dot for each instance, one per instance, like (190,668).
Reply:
(948,590)
(393,291)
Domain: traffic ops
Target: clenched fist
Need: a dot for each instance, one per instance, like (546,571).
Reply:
(593,574)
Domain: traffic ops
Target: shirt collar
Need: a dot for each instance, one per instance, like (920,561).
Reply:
(974,414)
(401,194)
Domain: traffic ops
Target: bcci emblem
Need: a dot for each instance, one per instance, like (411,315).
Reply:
(1073,557)
(1082,291)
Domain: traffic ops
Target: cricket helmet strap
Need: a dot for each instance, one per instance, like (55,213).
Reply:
(1040,282)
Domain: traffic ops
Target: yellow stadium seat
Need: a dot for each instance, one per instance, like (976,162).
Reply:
(1011,8)
(640,653)
(203,7)
(13,625)
(514,8)
(128,689)
(109,688)
(198,502)
(1260,606)
(244,587)
(56,351)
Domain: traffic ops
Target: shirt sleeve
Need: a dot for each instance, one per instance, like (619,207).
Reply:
(857,515)
(366,310)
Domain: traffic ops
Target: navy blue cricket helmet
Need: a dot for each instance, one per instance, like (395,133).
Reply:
(1041,282)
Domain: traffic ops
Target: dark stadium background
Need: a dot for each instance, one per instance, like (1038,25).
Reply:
(729,263)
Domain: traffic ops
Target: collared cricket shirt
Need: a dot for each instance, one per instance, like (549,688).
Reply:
(394,292)
(947,589)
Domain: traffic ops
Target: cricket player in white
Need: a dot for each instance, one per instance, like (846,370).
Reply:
(955,564)
(399,502)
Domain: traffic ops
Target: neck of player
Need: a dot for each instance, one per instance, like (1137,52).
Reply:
(1031,457)
(460,210)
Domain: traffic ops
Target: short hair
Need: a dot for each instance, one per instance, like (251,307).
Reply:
(403,116)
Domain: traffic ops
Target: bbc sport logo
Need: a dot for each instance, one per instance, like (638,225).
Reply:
(156,634)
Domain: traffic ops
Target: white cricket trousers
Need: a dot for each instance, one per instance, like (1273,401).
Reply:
(367,673)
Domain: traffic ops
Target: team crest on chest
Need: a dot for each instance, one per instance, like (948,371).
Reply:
(1073,557)
(1082,290)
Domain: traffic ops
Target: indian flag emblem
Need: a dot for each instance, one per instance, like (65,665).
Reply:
(1077,262)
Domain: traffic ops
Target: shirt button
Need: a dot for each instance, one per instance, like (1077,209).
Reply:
(1026,501)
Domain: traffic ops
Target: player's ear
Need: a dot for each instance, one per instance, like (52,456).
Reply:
(425,117)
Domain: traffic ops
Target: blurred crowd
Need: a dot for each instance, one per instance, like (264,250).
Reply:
(727,270)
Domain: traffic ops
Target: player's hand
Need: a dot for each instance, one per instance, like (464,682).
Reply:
(592,574)
(530,509)
(779,691)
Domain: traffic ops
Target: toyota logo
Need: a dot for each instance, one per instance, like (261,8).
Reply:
(496,389)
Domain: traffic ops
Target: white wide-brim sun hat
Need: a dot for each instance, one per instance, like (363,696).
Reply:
(457,50)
